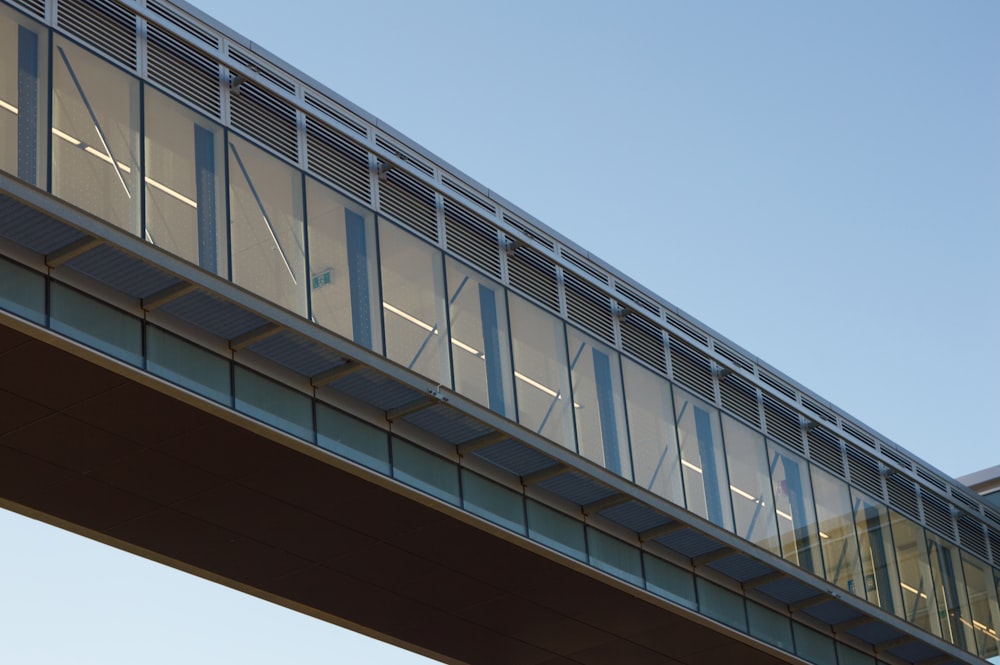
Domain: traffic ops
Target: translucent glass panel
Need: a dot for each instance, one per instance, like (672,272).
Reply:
(343,266)
(22,291)
(667,580)
(556,530)
(650,408)
(273,403)
(23,89)
(835,515)
(185,184)
(597,403)
(878,559)
(950,592)
(413,303)
(541,376)
(358,441)
(983,604)
(96,324)
(796,510)
(480,344)
(494,502)
(614,556)
(266,223)
(95,136)
(425,471)
(918,603)
(187,365)
(703,459)
(750,485)
(721,604)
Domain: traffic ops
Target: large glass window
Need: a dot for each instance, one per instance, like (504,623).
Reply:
(95,136)
(950,592)
(23,72)
(918,603)
(750,485)
(650,409)
(703,459)
(597,403)
(541,376)
(480,345)
(983,604)
(795,508)
(342,260)
(878,560)
(265,213)
(416,328)
(836,532)
(185,184)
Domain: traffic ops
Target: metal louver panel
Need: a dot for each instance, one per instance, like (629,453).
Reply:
(821,412)
(178,21)
(691,369)
(527,232)
(995,545)
(409,202)
(588,307)
(584,266)
(865,472)
(859,434)
(902,460)
(104,25)
(644,340)
(740,396)
(637,299)
(34,7)
(968,503)
(535,275)
(265,118)
(783,424)
(732,356)
(471,196)
(826,449)
(777,384)
(336,116)
(261,70)
(938,515)
(972,536)
(903,495)
(183,70)
(930,478)
(403,155)
(686,328)
(341,161)
(472,238)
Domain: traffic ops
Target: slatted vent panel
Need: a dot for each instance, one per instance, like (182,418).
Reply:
(336,116)
(261,70)
(821,412)
(403,155)
(644,340)
(966,502)
(859,434)
(584,266)
(473,197)
(783,424)
(526,231)
(636,298)
(930,478)
(937,515)
(472,238)
(266,118)
(777,384)
(903,495)
(992,514)
(341,161)
(588,307)
(535,275)
(826,449)
(735,358)
(184,71)
(686,328)
(104,25)
(995,546)
(691,368)
(35,7)
(865,472)
(168,15)
(899,458)
(410,202)
(972,536)
(740,397)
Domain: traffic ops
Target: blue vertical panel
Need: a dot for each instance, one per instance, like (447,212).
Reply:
(710,475)
(800,518)
(205,184)
(491,342)
(606,408)
(357,271)
(27,101)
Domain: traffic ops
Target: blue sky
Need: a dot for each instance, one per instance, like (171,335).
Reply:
(818,182)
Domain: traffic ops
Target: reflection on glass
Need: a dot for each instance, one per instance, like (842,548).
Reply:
(750,485)
(185,190)
(983,604)
(265,212)
(597,403)
(480,348)
(703,459)
(918,602)
(342,260)
(950,592)
(651,430)
(416,330)
(95,136)
(23,69)
(836,531)
(795,509)
(877,554)
(541,377)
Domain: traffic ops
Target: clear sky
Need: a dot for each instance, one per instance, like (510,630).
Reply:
(818,182)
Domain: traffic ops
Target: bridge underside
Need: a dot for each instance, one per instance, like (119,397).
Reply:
(99,453)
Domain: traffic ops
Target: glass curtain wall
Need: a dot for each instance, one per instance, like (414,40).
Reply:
(918,603)
(878,559)
(703,459)
(750,485)
(650,410)
(950,592)
(796,510)
(23,92)
(835,516)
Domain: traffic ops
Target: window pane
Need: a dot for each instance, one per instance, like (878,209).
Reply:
(273,403)
(703,459)
(425,471)
(836,532)
(22,291)
(721,604)
(950,592)
(357,441)
(540,372)
(95,136)
(795,508)
(614,556)
(597,403)
(23,90)
(878,557)
(983,603)
(413,303)
(185,189)
(342,260)
(187,365)
(650,409)
(493,501)
(750,485)
(813,646)
(667,580)
(919,605)
(556,530)
(769,626)
(265,213)
(480,344)
(96,324)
